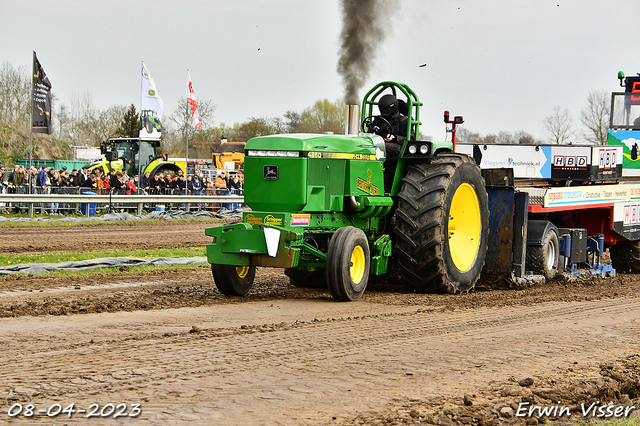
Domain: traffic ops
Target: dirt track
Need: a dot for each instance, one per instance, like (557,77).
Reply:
(283,355)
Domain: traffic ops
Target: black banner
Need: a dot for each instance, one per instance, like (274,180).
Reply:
(41,105)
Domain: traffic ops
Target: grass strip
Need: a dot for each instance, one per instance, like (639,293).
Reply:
(55,221)
(17,259)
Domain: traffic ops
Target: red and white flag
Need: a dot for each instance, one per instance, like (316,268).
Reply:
(191,100)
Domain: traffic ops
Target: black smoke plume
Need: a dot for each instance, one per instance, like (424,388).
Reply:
(364,26)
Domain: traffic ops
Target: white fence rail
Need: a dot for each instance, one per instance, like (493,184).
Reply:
(81,202)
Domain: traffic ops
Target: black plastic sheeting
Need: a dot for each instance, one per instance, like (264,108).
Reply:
(105,262)
(172,214)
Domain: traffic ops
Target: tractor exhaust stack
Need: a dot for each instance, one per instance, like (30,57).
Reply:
(352,120)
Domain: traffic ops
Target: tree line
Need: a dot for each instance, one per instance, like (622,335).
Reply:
(77,122)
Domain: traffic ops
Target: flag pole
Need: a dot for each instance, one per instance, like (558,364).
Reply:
(33,71)
(186,150)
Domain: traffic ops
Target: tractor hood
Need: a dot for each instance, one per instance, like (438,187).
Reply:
(310,172)
(307,143)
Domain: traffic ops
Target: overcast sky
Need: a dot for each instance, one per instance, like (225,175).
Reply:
(501,64)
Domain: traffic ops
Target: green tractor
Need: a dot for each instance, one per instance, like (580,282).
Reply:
(320,210)
(150,121)
(135,155)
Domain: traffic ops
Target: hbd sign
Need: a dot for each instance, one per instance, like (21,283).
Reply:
(607,159)
(570,162)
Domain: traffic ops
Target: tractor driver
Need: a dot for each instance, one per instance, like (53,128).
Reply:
(395,136)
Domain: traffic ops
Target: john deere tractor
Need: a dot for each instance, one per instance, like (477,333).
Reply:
(321,211)
(150,120)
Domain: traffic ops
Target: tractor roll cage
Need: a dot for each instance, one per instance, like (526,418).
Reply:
(412,103)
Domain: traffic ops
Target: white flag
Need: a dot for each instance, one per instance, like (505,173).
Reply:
(191,100)
(150,107)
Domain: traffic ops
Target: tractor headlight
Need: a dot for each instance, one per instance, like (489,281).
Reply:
(412,149)
(424,149)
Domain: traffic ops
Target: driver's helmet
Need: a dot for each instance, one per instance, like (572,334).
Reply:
(388,106)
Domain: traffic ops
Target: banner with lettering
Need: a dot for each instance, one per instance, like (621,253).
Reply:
(41,94)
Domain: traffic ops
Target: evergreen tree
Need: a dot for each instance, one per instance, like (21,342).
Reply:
(130,124)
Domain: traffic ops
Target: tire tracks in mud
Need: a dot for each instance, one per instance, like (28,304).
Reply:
(306,366)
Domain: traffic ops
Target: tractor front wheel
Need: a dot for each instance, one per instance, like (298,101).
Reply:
(233,280)
(348,264)
(442,224)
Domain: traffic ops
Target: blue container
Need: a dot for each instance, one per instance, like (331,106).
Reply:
(92,206)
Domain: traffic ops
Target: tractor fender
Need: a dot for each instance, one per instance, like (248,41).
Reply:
(536,231)
(157,165)
(106,166)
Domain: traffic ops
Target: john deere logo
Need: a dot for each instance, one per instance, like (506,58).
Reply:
(152,92)
(270,172)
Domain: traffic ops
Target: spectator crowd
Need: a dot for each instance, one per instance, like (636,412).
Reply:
(45,180)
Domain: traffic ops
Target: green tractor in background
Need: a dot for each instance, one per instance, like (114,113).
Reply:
(150,121)
(320,210)
(137,156)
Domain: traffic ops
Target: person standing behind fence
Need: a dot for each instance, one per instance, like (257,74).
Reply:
(20,179)
(180,184)
(41,178)
(55,183)
(84,174)
(197,185)
(90,182)
(221,184)
(158,183)
(234,185)
(130,186)
(145,182)
(12,177)
(74,179)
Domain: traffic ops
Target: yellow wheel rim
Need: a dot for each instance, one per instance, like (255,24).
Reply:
(358,263)
(242,271)
(464,227)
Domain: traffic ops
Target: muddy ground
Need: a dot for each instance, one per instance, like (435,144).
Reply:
(169,341)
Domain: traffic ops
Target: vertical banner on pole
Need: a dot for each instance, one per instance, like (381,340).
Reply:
(150,107)
(191,100)
(192,108)
(41,99)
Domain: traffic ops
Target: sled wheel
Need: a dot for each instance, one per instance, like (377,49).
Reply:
(442,223)
(543,259)
(625,256)
(348,264)
(306,279)
(233,280)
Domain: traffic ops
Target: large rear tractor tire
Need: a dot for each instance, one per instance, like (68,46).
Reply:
(442,224)
(232,280)
(348,264)
(306,279)
(543,259)
(625,256)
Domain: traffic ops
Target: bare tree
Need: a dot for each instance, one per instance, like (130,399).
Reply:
(559,125)
(465,135)
(504,137)
(595,116)
(523,137)
(15,97)
(173,140)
